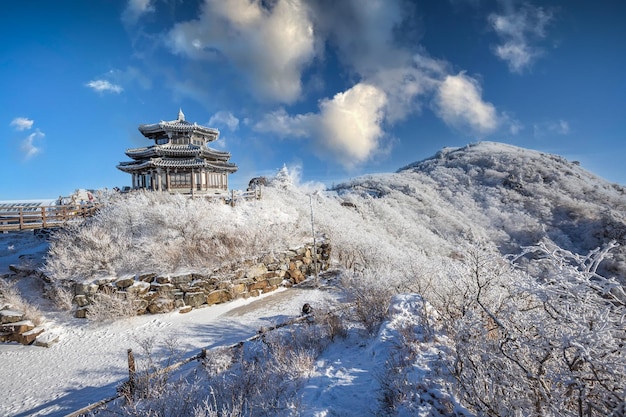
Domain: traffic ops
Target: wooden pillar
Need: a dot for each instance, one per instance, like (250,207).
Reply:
(158,173)
(193,182)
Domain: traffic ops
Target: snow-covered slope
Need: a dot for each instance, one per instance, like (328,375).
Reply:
(516,196)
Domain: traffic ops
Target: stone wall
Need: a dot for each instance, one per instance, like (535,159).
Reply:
(154,293)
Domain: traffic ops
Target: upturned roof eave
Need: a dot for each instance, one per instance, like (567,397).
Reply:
(176,126)
(134,166)
(177,150)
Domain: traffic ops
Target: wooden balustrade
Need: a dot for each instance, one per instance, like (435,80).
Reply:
(41,217)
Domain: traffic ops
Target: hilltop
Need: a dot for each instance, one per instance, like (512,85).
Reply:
(511,196)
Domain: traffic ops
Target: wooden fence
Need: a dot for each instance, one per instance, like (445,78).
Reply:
(128,386)
(28,217)
(23,217)
(236,195)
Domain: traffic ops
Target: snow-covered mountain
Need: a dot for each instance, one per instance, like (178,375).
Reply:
(515,196)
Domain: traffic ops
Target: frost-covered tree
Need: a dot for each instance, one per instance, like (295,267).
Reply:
(550,344)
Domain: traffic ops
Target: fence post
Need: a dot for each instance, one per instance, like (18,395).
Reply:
(43,216)
(317,281)
(131,373)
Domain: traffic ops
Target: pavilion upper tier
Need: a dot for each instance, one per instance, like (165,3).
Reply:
(165,131)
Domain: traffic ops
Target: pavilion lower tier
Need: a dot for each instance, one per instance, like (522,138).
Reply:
(196,181)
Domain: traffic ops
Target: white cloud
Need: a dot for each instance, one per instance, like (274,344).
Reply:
(28,146)
(459,103)
(555,127)
(135,9)
(350,123)
(562,127)
(517,30)
(364,32)
(286,126)
(225,118)
(103,86)
(348,127)
(405,85)
(269,46)
(509,120)
(21,123)
(128,76)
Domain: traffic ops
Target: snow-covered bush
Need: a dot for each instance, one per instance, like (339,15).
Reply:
(545,345)
(370,293)
(155,391)
(158,232)
(413,354)
(61,295)
(108,305)
(10,295)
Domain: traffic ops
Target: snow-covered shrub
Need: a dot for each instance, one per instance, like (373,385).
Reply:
(332,323)
(108,305)
(10,295)
(158,232)
(155,390)
(211,408)
(62,295)
(553,344)
(370,293)
(258,383)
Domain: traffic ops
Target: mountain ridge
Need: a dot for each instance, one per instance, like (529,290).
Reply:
(519,197)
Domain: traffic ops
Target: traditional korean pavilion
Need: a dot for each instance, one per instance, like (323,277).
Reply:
(180,160)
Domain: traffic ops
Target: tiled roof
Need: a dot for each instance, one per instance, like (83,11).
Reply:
(189,163)
(163,127)
(177,150)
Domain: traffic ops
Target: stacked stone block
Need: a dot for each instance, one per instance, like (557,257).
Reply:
(164,293)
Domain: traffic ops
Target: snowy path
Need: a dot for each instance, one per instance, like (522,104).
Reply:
(90,360)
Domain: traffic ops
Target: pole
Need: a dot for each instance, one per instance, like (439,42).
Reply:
(131,373)
(314,242)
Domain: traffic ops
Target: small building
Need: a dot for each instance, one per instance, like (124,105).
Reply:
(180,160)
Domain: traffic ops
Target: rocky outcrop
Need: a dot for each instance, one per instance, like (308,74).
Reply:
(163,293)
(14,327)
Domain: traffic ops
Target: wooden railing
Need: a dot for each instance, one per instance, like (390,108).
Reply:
(127,387)
(236,195)
(41,217)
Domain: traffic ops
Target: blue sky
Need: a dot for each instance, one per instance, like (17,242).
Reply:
(336,88)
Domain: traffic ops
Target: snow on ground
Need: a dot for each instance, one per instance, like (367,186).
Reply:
(21,248)
(90,359)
